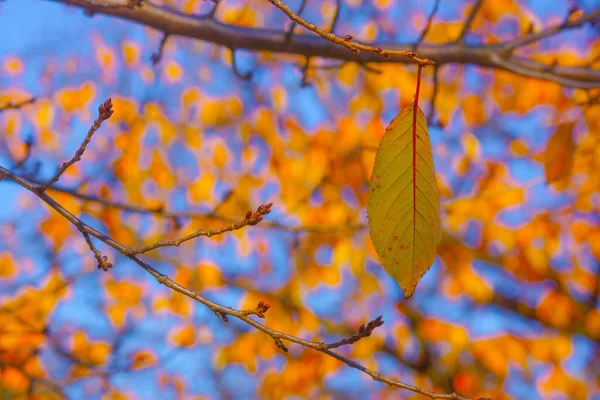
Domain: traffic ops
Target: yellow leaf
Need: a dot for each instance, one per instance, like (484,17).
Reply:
(76,99)
(173,72)
(403,206)
(13,66)
(7,265)
(184,337)
(161,172)
(558,158)
(473,110)
(142,359)
(131,53)
(56,228)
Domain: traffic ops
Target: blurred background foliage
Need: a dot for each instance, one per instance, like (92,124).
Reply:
(509,310)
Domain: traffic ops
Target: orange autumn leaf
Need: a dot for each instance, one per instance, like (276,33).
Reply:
(558,157)
(184,337)
(91,353)
(76,99)
(143,359)
(57,229)
(7,265)
(473,110)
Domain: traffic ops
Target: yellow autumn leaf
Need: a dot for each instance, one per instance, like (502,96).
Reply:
(403,206)
(558,157)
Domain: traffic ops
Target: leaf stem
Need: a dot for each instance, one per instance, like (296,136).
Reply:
(414,166)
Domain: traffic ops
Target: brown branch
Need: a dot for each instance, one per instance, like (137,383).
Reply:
(290,32)
(347,41)
(102,260)
(336,16)
(161,212)
(259,311)
(115,3)
(428,25)
(363,332)
(16,105)
(305,69)
(247,76)
(213,10)
(218,309)
(156,57)
(469,21)
(251,218)
(104,113)
(534,37)
(258,39)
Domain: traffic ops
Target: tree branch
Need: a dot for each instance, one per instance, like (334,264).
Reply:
(104,113)
(218,309)
(553,30)
(251,218)
(469,21)
(347,41)
(428,25)
(257,39)
(16,105)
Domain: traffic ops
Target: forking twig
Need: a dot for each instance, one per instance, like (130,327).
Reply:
(347,41)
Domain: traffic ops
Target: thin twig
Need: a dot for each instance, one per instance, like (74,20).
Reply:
(156,57)
(428,25)
(336,16)
(305,69)
(347,41)
(247,76)
(363,332)
(102,260)
(534,37)
(469,21)
(16,105)
(213,11)
(251,218)
(264,39)
(104,113)
(290,32)
(218,309)
(115,3)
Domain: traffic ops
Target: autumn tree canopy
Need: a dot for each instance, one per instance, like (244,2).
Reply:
(187,207)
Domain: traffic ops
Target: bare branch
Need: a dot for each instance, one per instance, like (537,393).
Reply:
(336,16)
(515,64)
(363,332)
(115,3)
(247,76)
(347,41)
(16,105)
(305,69)
(534,37)
(161,212)
(469,21)
(104,113)
(428,25)
(251,218)
(213,11)
(259,311)
(290,32)
(102,260)
(257,39)
(156,57)
(218,309)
